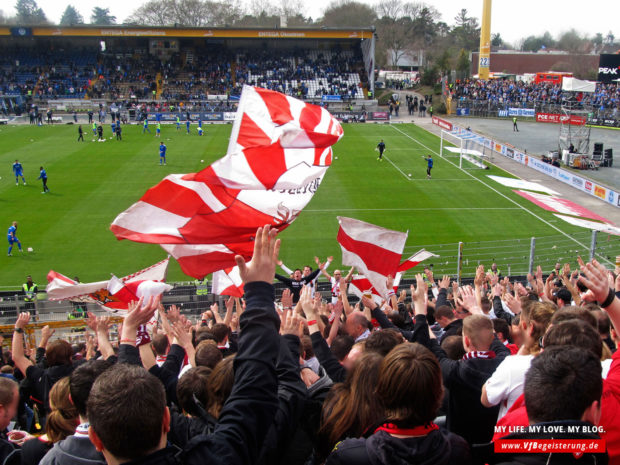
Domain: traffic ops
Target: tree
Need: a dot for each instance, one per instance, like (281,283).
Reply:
(466,33)
(462,64)
(153,13)
(443,62)
(496,40)
(71,16)
(28,13)
(102,17)
(572,41)
(535,43)
(610,38)
(348,13)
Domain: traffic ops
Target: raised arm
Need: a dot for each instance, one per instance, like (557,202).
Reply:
(19,358)
(249,411)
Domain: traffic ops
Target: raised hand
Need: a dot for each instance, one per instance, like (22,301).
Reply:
(262,267)
(139,313)
(307,304)
(287,299)
(444,283)
(22,320)
(47,332)
(595,280)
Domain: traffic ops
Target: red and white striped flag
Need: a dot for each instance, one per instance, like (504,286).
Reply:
(60,287)
(415,259)
(373,250)
(228,282)
(359,285)
(279,151)
(133,291)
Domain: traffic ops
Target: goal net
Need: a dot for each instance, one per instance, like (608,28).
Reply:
(465,150)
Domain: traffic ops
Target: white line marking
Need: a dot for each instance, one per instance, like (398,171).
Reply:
(404,209)
(399,170)
(502,195)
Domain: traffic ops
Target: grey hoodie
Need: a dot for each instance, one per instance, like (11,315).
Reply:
(74,450)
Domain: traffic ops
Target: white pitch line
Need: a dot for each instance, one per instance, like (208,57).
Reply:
(399,170)
(329,210)
(502,195)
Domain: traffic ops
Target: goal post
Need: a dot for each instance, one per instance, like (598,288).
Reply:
(470,153)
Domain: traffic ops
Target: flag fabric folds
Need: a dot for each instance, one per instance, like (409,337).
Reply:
(373,250)
(279,151)
(415,259)
(135,290)
(228,282)
(61,287)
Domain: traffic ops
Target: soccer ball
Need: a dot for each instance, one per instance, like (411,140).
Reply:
(202,161)
(409,175)
(336,158)
(30,249)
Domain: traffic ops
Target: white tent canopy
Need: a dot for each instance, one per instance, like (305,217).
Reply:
(577,85)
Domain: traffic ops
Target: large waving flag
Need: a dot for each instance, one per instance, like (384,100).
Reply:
(373,250)
(279,151)
(60,287)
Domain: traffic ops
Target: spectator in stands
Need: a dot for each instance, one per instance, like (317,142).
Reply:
(9,398)
(466,377)
(58,357)
(563,388)
(410,389)
(505,385)
(451,326)
(120,397)
(60,424)
(76,449)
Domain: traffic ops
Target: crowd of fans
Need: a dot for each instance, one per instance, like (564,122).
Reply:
(504,93)
(186,75)
(438,375)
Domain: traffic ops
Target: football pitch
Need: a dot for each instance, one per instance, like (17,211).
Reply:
(92,182)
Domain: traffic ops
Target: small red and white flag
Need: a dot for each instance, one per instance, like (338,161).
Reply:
(60,287)
(415,259)
(132,291)
(228,282)
(373,250)
(279,151)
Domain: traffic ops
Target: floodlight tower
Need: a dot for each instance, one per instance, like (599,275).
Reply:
(484,57)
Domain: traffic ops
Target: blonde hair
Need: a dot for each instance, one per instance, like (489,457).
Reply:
(63,418)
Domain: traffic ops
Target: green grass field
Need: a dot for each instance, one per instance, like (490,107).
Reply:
(91,182)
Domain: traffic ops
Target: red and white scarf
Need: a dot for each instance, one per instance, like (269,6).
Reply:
(479,354)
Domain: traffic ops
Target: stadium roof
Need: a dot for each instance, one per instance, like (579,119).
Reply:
(174,32)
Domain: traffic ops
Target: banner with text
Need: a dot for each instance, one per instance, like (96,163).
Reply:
(585,185)
(557,118)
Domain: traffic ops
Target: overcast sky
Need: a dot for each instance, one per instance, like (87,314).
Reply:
(513,19)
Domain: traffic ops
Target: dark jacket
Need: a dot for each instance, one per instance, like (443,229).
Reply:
(168,373)
(326,358)
(453,328)
(292,395)
(531,458)
(295,286)
(40,381)
(184,428)
(499,311)
(9,453)
(439,447)
(420,327)
(464,379)
(249,411)
(170,455)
